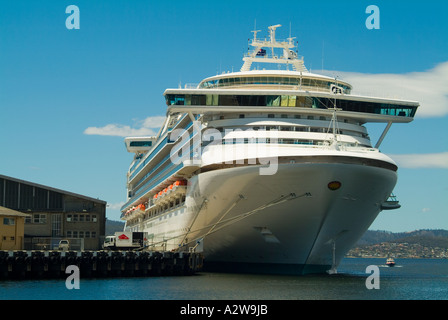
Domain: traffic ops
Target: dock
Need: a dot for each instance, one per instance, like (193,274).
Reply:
(51,264)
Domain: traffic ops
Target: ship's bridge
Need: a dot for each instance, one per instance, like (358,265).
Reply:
(367,109)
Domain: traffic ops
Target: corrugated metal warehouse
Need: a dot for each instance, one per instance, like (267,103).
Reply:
(55,214)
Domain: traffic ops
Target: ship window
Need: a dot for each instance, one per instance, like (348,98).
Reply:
(211,99)
(228,100)
(140,144)
(179,100)
(173,99)
(198,100)
(273,101)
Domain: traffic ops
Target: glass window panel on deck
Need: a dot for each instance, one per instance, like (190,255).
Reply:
(211,99)
(228,100)
(292,101)
(179,100)
(306,82)
(198,100)
(188,99)
(276,101)
(257,100)
(263,80)
(172,99)
(140,144)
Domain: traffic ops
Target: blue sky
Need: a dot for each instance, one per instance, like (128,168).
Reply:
(67,97)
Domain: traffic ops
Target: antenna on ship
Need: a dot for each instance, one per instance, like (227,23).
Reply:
(290,29)
(260,55)
(335,128)
(334,123)
(323,46)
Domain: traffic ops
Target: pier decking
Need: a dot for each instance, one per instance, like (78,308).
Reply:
(36,264)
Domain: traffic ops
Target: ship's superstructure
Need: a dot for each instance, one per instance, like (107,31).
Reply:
(264,170)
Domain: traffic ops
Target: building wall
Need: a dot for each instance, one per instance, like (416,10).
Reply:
(55,213)
(11,232)
(84,219)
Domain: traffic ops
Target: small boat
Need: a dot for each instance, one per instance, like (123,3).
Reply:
(390,262)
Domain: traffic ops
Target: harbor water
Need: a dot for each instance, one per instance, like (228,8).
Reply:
(410,279)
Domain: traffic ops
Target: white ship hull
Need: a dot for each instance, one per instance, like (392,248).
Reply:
(290,222)
(209,180)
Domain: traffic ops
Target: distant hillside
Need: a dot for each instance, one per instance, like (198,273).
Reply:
(428,236)
(113,226)
(414,244)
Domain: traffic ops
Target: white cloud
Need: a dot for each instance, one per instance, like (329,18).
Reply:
(115,206)
(430,160)
(147,127)
(153,122)
(429,88)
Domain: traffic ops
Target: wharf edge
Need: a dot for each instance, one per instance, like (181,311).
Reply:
(37,264)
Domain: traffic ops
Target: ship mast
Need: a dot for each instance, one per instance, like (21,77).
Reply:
(288,56)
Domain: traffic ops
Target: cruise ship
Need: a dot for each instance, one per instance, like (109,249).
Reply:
(269,169)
